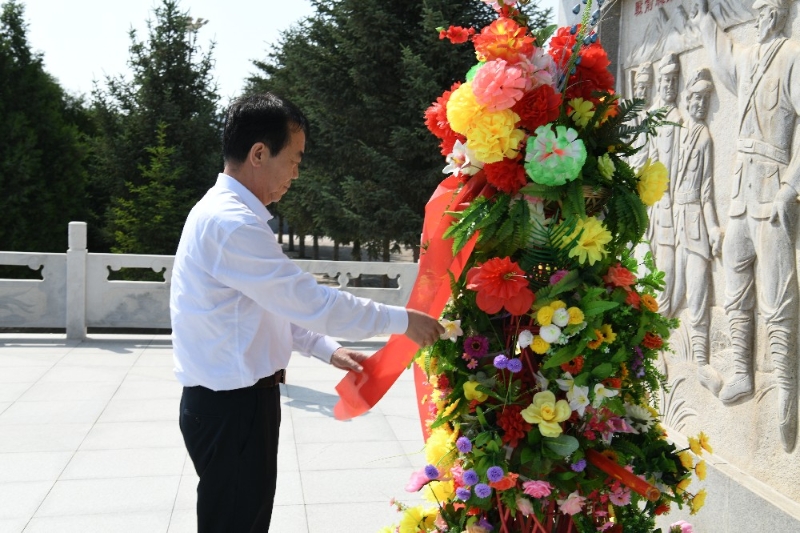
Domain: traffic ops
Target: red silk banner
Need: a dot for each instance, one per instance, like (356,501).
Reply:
(359,392)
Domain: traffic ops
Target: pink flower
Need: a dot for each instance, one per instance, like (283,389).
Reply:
(525,506)
(558,276)
(498,85)
(685,527)
(418,480)
(620,497)
(537,489)
(572,505)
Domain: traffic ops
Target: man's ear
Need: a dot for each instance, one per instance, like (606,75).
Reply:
(259,153)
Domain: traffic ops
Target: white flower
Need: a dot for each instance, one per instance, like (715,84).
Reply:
(550,333)
(639,417)
(541,381)
(578,398)
(525,338)
(601,393)
(567,383)
(452,329)
(561,317)
(462,160)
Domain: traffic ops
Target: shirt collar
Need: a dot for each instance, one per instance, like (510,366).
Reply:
(230,183)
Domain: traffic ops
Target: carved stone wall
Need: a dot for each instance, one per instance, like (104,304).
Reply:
(731,236)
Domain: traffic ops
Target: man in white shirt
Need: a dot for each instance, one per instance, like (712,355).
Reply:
(239,307)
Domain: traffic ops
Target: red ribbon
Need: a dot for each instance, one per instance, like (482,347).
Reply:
(359,392)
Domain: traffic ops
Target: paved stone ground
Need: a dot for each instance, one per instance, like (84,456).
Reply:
(89,442)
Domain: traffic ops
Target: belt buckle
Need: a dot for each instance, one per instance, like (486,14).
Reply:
(281,376)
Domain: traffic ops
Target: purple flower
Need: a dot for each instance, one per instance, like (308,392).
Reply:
(485,524)
(463,493)
(470,477)
(579,466)
(432,472)
(559,274)
(476,345)
(482,490)
(514,365)
(495,473)
(464,445)
(500,361)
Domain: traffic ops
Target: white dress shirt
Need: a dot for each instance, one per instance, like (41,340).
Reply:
(239,305)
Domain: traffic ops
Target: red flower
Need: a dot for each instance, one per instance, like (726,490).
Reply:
(591,74)
(507,175)
(619,276)
(503,39)
(633,299)
(538,107)
(508,481)
(652,341)
(614,383)
(500,282)
(456,34)
(574,366)
(513,425)
(437,123)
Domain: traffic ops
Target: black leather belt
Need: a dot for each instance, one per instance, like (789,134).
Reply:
(271,381)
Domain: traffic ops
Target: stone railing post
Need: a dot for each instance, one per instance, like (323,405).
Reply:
(76,281)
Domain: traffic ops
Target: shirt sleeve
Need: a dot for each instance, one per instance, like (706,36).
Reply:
(313,344)
(252,262)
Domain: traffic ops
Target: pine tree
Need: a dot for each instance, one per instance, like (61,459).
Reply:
(171,84)
(42,175)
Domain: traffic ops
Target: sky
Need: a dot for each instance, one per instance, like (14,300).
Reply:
(85,40)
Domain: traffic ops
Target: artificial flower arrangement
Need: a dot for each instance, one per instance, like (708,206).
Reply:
(540,413)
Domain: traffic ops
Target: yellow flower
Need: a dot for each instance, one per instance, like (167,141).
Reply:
(698,501)
(681,487)
(547,413)
(575,316)
(701,470)
(598,340)
(704,442)
(439,447)
(471,392)
(557,304)
(592,238)
(492,136)
(416,519)
(652,181)
(539,345)
(694,445)
(439,491)
(581,111)
(686,460)
(649,303)
(606,166)
(608,334)
(545,315)
(450,408)
(463,109)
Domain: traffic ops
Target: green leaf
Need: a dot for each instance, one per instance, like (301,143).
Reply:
(563,445)
(602,371)
(598,306)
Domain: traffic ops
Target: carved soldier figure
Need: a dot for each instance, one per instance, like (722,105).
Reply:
(642,87)
(697,234)
(759,243)
(664,147)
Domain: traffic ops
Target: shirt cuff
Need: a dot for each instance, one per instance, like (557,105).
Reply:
(324,348)
(398,320)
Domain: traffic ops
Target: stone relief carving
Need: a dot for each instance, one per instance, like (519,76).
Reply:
(642,87)
(758,250)
(664,147)
(697,233)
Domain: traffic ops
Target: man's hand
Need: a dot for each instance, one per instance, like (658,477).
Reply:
(347,359)
(715,236)
(784,208)
(423,329)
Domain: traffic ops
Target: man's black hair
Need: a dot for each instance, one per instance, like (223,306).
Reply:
(265,118)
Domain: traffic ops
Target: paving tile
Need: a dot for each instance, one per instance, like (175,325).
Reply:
(371,426)
(154,372)
(183,521)
(343,455)
(101,523)
(98,359)
(13,525)
(349,517)
(289,489)
(53,412)
(354,486)
(69,391)
(4,406)
(287,454)
(104,496)
(120,435)
(42,437)
(405,426)
(160,358)
(136,462)
(32,466)
(20,499)
(313,392)
(84,373)
(9,359)
(10,392)
(22,374)
(289,518)
(139,387)
(140,410)
(402,406)
(187,493)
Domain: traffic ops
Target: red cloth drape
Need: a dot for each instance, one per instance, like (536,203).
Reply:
(360,392)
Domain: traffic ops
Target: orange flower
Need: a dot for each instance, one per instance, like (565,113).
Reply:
(619,276)
(508,481)
(595,344)
(574,366)
(503,39)
(614,383)
(649,303)
(652,341)
(610,454)
(500,282)
(662,509)
(456,34)
(633,299)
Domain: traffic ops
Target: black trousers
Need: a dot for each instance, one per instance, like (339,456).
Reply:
(232,439)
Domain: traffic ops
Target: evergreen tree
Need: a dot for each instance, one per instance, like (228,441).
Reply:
(172,84)
(42,176)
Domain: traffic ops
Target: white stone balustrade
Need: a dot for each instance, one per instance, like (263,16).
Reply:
(75,292)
